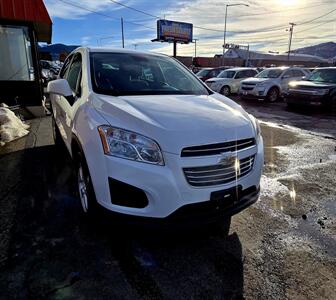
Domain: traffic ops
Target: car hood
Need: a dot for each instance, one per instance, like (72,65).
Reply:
(177,121)
(216,79)
(312,84)
(255,80)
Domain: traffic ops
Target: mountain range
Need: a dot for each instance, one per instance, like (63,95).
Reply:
(325,50)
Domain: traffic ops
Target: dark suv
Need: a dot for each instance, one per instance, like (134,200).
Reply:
(319,89)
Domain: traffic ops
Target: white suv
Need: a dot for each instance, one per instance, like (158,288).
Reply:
(271,83)
(227,82)
(149,139)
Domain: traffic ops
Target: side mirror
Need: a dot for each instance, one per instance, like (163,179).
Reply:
(59,87)
(285,77)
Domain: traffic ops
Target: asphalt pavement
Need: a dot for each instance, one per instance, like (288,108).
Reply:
(283,247)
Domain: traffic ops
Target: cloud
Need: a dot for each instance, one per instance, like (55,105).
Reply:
(70,9)
(262,25)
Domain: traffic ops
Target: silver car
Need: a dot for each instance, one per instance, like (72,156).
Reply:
(271,83)
(228,81)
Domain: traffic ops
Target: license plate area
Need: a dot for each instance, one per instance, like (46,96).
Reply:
(226,198)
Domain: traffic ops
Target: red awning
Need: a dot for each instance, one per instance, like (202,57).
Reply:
(29,11)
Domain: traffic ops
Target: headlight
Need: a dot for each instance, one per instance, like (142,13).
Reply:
(256,126)
(130,145)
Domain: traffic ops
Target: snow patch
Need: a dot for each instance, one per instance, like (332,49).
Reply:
(269,187)
(11,127)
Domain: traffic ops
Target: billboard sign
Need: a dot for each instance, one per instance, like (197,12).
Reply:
(170,31)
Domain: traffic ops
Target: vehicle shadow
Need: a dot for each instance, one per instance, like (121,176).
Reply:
(55,252)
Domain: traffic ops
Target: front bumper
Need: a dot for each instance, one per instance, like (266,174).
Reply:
(306,100)
(252,92)
(166,187)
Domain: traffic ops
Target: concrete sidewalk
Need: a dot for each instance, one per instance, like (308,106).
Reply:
(13,166)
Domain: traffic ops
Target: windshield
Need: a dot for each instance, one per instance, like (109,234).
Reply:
(203,72)
(120,74)
(270,73)
(226,74)
(323,75)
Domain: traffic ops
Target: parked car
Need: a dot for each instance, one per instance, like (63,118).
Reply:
(162,146)
(228,81)
(270,83)
(207,73)
(319,89)
(50,69)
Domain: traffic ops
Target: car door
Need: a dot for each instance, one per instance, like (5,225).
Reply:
(66,105)
(285,79)
(240,75)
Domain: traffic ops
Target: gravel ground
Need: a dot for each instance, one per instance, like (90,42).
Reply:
(283,247)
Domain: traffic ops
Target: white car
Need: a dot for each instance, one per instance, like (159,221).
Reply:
(271,83)
(149,139)
(227,82)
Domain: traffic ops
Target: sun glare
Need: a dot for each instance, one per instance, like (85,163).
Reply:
(288,2)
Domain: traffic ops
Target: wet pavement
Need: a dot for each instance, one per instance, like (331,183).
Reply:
(283,247)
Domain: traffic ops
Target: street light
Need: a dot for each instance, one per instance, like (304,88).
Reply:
(226,7)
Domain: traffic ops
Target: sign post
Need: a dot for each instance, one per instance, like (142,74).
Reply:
(174,32)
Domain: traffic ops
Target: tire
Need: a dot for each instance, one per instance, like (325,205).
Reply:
(225,90)
(86,195)
(56,134)
(273,94)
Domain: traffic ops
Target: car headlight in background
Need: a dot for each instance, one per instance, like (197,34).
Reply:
(256,126)
(130,145)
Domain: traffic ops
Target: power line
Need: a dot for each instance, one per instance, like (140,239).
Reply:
(312,20)
(135,9)
(103,15)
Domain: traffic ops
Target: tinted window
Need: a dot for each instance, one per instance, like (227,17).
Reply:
(141,74)
(227,74)
(270,73)
(203,73)
(74,74)
(298,73)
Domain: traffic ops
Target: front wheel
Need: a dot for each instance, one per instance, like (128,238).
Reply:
(85,189)
(225,90)
(273,94)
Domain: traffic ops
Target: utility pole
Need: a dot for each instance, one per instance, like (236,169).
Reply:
(291,29)
(195,41)
(122,32)
(174,53)
(224,36)
(226,7)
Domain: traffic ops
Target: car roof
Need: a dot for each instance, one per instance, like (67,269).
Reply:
(118,50)
(239,69)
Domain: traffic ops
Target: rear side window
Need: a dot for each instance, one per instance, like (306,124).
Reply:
(298,73)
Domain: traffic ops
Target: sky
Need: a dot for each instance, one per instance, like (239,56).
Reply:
(263,24)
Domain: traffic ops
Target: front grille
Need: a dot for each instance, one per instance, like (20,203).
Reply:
(249,83)
(214,149)
(247,88)
(218,174)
